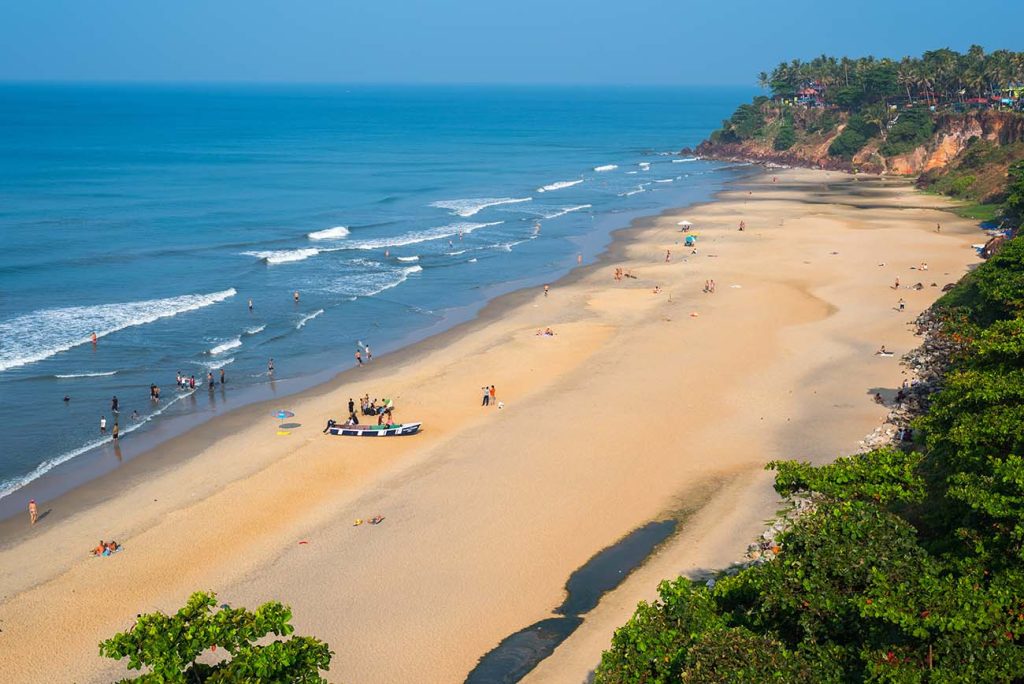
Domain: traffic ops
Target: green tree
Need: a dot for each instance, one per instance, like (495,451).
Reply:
(168,646)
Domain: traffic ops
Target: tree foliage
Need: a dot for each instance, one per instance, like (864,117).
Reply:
(169,646)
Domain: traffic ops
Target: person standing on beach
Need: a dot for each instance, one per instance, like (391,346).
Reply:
(222,378)
(33,512)
(359,358)
(487,396)
(579,259)
(546,288)
(270,366)
(103,424)
(668,255)
(902,304)
(351,406)
(491,395)
(896,285)
(369,354)
(116,432)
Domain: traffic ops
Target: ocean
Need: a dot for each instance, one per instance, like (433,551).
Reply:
(151,215)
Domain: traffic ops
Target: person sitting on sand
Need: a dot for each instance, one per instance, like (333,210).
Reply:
(879,399)
(882,351)
(100,548)
(112,547)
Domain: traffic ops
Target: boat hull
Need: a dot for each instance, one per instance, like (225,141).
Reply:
(374,431)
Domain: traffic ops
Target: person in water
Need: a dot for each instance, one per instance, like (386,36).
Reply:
(296,296)
(116,433)
(250,304)
(222,378)
(209,378)
(113,405)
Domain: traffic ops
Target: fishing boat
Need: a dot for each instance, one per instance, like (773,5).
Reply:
(375,430)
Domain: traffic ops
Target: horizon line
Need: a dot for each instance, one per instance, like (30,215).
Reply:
(350,84)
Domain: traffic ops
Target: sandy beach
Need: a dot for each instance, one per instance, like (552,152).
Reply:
(643,406)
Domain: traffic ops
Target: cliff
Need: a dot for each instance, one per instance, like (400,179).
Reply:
(953,132)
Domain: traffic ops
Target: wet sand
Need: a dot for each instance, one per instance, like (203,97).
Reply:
(641,406)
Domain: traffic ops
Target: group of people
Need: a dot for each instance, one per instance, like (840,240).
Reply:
(106,548)
(546,332)
(370,407)
(620,274)
(489,395)
(709,286)
(362,349)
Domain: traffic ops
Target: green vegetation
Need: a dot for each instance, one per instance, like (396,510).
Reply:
(913,127)
(746,122)
(786,137)
(853,138)
(170,645)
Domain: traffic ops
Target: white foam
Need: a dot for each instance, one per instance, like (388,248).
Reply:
(335,233)
(86,375)
(631,173)
(644,166)
(409,258)
(225,346)
(256,330)
(370,284)
(606,167)
(567,210)
(559,185)
(684,159)
(472,261)
(216,363)
(284,256)
(306,319)
(10,486)
(41,334)
(664,180)
(470,207)
(630,193)
(415,237)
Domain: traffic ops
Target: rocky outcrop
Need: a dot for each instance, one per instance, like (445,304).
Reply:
(952,133)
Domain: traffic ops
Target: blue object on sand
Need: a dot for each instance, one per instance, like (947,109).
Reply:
(282,414)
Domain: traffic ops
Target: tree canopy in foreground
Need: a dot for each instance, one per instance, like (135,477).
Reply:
(170,646)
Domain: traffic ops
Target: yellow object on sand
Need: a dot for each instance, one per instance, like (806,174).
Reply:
(284,432)
(359,521)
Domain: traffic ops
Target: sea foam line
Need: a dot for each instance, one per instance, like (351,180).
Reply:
(470,207)
(306,319)
(41,334)
(225,346)
(606,167)
(559,185)
(85,375)
(335,233)
(567,210)
(284,256)
(9,486)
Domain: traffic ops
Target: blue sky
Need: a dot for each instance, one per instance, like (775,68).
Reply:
(473,41)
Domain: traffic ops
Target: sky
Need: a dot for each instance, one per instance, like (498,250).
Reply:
(640,42)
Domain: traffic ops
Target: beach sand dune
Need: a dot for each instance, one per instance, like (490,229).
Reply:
(642,406)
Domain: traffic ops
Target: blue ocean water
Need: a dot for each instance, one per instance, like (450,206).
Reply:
(151,215)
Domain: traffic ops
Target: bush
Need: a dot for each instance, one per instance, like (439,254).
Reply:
(785,138)
(847,144)
(913,127)
(961,185)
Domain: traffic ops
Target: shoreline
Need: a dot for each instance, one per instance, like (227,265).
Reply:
(509,494)
(88,472)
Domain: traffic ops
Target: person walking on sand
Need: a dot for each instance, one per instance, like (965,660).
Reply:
(896,285)
(743,225)
(546,288)
(487,396)
(902,304)
(33,512)
(116,432)
(668,255)
(359,358)
(579,259)
(270,366)
(938,227)
(103,424)
(369,354)
(491,396)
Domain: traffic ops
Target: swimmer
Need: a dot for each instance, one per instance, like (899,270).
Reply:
(94,339)
(296,296)
(270,366)
(250,304)
(67,398)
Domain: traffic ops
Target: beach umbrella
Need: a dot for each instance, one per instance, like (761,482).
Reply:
(282,414)
(684,223)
